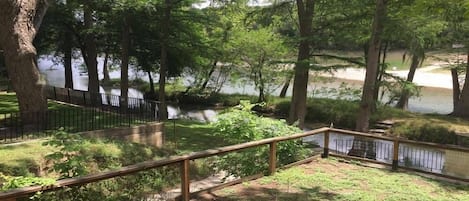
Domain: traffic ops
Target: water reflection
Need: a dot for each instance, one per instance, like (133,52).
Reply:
(432,100)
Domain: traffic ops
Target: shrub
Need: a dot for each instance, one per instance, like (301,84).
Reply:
(341,113)
(424,131)
(240,125)
(78,156)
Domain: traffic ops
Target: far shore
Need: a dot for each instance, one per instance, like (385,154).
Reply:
(423,76)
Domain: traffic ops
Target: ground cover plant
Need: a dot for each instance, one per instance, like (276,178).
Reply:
(328,179)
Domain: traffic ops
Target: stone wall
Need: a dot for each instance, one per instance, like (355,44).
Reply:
(148,134)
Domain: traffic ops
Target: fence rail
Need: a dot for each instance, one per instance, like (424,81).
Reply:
(183,161)
(107,114)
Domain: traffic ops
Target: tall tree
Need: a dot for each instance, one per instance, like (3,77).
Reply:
(90,52)
(19,22)
(259,51)
(300,83)
(125,46)
(367,100)
(164,36)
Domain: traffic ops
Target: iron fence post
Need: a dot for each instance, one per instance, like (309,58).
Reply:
(68,93)
(55,93)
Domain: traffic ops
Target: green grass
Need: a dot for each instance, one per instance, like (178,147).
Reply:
(328,179)
(71,118)
(28,158)
(190,136)
(24,159)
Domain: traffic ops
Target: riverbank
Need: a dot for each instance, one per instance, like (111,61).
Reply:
(427,76)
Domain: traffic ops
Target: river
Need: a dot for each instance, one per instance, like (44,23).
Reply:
(432,100)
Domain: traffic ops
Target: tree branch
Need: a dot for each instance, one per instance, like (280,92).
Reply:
(41,9)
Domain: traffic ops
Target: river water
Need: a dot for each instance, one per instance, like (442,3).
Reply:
(432,100)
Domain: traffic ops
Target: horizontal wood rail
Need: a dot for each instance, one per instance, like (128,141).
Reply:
(183,161)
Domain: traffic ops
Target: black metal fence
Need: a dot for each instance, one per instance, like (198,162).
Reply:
(85,98)
(423,158)
(105,112)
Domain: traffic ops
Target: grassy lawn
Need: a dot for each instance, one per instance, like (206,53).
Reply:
(29,158)
(185,136)
(71,118)
(328,179)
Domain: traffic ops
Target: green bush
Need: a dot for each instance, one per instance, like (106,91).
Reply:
(341,113)
(240,125)
(424,131)
(8,182)
(78,156)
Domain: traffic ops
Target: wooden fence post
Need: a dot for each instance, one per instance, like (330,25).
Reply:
(185,182)
(272,157)
(325,154)
(395,156)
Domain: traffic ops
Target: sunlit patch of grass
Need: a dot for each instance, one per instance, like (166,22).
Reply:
(23,159)
(317,181)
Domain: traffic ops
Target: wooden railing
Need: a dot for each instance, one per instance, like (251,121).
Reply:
(183,161)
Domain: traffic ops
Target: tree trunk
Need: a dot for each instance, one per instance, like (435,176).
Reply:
(106,78)
(284,90)
(68,60)
(163,110)
(19,23)
(125,44)
(456,89)
(209,75)
(90,57)
(403,102)
(380,74)
(300,83)
(364,147)
(261,87)
(367,100)
(152,85)
(462,109)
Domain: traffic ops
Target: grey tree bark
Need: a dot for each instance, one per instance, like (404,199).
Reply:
(67,49)
(462,107)
(125,45)
(367,100)
(403,102)
(163,111)
(300,83)
(90,54)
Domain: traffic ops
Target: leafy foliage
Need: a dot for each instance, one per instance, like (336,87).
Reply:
(425,131)
(8,182)
(77,157)
(240,125)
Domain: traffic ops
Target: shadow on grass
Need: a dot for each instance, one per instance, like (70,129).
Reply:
(268,194)
(190,136)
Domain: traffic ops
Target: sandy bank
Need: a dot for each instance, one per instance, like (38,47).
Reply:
(423,76)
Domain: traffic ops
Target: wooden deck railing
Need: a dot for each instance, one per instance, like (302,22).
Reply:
(184,160)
